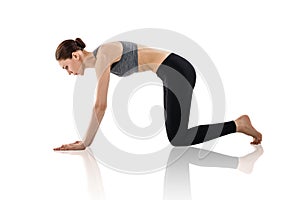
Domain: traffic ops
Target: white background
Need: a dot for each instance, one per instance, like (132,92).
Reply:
(255,46)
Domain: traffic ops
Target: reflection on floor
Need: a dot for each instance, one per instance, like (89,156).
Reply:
(177,175)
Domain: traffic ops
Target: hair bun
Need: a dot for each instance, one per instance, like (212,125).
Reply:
(80,43)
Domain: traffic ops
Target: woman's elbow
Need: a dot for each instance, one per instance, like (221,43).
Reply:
(100,107)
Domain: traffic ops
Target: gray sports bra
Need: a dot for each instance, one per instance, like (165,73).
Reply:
(128,63)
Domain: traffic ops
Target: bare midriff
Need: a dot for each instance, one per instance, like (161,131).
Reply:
(150,58)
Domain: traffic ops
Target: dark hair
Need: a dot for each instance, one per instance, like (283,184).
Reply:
(67,47)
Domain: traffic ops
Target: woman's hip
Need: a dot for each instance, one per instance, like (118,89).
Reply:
(175,67)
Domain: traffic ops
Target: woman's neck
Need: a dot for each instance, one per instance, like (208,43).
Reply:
(88,59)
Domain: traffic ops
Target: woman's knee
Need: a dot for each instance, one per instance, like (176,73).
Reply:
(177,142)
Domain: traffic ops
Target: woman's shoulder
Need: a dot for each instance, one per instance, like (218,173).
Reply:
(110,51)
(109,48)
(111,45)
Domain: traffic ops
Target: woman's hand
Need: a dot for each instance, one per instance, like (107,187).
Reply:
(78,145)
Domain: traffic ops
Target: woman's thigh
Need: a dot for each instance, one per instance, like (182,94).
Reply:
(178,78)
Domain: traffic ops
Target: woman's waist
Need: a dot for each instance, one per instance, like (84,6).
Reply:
(150,59)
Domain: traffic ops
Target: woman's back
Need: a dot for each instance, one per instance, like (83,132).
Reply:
(134,57)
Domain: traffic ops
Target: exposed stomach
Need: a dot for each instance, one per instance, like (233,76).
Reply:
(150,58)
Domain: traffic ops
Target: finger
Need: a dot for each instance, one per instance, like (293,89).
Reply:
(57,149)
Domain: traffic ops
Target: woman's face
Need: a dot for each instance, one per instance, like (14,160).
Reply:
(72,65)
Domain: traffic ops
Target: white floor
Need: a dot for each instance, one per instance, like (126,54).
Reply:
(37,172)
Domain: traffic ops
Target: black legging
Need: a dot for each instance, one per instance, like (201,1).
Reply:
(179,78)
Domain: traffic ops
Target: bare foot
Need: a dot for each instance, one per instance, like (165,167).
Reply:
(243,125)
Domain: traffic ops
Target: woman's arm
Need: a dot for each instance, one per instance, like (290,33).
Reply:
(97,115)
(107,54)
(99,108)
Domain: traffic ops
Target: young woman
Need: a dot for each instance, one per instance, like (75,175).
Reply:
(123,58)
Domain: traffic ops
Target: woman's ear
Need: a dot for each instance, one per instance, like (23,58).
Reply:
(75,55)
